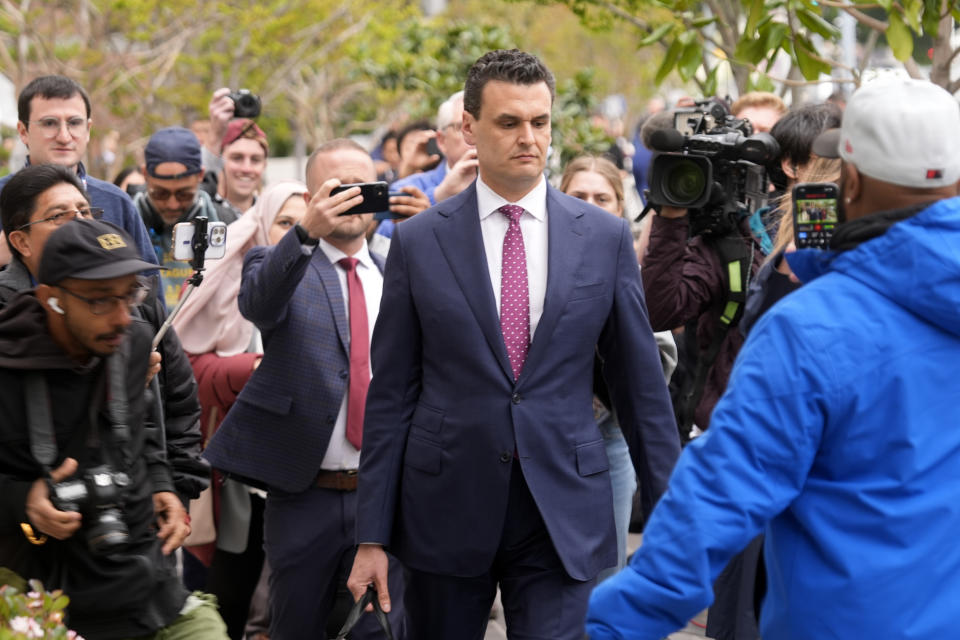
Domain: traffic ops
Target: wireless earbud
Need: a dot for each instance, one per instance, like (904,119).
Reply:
(54,305)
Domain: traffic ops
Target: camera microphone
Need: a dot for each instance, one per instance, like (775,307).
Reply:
(666,140)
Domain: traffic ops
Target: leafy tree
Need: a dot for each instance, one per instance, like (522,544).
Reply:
(697,36)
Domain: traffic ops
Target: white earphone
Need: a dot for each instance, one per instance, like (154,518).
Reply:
(54,305)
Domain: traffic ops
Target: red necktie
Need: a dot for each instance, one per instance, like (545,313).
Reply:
(514,292)
(359,353)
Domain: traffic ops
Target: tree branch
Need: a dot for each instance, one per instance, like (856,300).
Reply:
(862,18)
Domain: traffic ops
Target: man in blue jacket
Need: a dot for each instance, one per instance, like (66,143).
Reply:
(837,432)
(54,124)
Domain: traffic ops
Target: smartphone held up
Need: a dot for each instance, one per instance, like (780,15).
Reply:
(185,240)
(816,212)
(376,199)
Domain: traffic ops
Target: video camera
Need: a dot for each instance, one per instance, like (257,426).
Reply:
(711,164)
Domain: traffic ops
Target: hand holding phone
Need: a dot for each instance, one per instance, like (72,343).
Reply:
(816,212)
(376,197)
(406,202)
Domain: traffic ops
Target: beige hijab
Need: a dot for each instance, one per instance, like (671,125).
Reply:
(210,319)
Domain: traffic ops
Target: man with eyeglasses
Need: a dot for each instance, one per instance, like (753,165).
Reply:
(173,169)
(87,500)
(456,171)
(38,201)
(54,124)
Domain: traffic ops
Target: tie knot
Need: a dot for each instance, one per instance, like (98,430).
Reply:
(512,211)
(348,264)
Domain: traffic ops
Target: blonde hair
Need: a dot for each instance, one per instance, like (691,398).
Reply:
(817,170)
(597,164)
(758,99)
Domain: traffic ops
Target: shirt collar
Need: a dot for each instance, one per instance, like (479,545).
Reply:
(335,255)
(81,171)
(534,202)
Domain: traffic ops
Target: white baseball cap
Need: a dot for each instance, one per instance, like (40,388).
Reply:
(905,132)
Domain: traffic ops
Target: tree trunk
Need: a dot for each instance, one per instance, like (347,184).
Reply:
(943,52)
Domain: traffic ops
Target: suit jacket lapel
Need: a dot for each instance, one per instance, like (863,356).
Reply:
(565,244)
(334,294)
(461,242)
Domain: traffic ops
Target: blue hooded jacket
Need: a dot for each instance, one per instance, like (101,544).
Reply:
(839,436)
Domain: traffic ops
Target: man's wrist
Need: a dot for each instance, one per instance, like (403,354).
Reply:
(304,237)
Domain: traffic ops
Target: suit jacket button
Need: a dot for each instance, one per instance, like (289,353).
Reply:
(344,373)
(506,456)
(331,420)
(515,398)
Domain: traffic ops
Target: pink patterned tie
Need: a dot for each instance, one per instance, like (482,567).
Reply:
(514,293)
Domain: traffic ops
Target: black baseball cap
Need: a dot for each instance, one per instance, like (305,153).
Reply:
(90,250)
(173,144)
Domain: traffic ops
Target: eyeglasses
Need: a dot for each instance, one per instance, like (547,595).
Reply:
(64,217)
(104,305)
(182,196)
(456,126)
(51,127)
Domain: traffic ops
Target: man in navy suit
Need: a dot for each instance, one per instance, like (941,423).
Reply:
(482,464)
(291,429)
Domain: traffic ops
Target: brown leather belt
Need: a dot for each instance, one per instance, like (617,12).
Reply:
(337,480)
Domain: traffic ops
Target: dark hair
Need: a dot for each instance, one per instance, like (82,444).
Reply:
(18,199)
(48,87)
(513,66)
(796,131)
(390,134)
(123,175)
(419,125)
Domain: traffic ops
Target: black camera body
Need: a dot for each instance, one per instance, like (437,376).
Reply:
(245,103)
(714,170)
(97,497)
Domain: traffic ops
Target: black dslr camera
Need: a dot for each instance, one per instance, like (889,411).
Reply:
(97,497)
(711,164)
(245,104)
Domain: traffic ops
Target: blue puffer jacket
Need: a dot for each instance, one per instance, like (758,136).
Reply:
(839,436)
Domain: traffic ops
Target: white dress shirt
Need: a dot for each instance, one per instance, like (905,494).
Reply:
(533,226)
(340,453)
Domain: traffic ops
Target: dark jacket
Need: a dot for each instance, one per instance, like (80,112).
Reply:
(127,594)
(686,281)
(178,389)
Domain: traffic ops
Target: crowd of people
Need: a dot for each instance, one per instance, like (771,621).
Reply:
(485,388)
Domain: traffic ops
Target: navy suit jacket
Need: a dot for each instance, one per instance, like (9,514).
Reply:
(444,415)
(277,431)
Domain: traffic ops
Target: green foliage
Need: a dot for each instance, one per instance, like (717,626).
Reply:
(427,60)
(573,132)
(695,37)
(33,614)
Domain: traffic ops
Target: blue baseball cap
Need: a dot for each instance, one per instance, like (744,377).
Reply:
(173,144)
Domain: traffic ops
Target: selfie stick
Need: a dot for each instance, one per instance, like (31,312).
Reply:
(199,245)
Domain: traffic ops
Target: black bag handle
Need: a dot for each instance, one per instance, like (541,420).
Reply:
(369,597)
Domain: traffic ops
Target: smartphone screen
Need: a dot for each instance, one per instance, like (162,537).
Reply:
(375,197)
(815,214)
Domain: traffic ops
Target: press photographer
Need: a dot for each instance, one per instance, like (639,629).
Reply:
(88,504)
(707,177)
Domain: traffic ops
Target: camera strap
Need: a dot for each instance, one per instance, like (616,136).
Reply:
(118,408)
(737,260)
(43,444)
